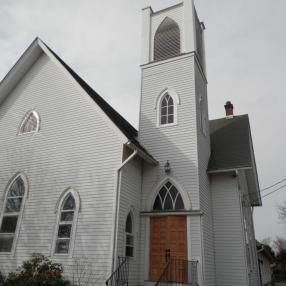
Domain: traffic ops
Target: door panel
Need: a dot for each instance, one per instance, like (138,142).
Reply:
(158,244)
(167,232)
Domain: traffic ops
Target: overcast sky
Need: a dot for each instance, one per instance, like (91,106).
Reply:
(245,44)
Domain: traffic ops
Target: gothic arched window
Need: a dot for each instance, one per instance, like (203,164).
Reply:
(167,42)
(12,212)
(167,110)
(129,236)
(67,217)
(168,199)
(31,123)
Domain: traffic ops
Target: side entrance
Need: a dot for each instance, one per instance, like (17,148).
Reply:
(168,240)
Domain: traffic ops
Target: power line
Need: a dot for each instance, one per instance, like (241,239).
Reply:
(274,191)
(273,185)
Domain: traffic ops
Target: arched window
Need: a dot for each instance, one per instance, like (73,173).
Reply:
(11,214)
(129,236)
(168,199)
(167,43)
(31,123)
(67,216)
(167,110)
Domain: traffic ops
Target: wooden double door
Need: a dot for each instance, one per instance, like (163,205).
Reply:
(168,240)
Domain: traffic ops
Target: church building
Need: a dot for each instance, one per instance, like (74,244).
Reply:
(170,203)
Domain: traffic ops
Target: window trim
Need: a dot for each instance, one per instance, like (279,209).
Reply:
(158,102)
(130,234)
(20,213)
(36,114)
(58,212)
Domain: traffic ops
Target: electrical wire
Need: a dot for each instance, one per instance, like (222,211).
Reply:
(269,187)
(266,195)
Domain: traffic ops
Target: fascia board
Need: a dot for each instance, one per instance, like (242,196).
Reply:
(20,68)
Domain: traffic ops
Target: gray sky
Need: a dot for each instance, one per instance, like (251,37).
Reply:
(245,43)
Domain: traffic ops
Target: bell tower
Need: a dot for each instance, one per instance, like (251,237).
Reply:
(173,124)
(174,111)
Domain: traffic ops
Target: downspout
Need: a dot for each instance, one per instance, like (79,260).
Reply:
(117,200)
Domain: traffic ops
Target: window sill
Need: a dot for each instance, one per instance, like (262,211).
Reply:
(167,125)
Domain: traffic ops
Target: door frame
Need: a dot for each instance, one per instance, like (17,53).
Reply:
(148,232)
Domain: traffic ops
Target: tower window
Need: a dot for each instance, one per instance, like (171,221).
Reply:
(167,110)
(167,42)
(31,123)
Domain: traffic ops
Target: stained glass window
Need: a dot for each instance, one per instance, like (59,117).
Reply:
(65,225)
(12,210)
(168,199)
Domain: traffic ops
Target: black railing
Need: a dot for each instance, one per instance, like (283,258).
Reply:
(120,276)
(178,272)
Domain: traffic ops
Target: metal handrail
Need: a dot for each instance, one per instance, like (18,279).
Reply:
(178,272)
(163,274)
(120,276)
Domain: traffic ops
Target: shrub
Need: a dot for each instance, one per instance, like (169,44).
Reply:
(37,271)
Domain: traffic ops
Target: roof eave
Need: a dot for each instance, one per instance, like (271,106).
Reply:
(227,170)
(19,69)
(144,155)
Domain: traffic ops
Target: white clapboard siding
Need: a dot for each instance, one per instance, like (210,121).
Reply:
(204,186)
(228,231)
(131,181)
(253,271)
(70,150)
(177,143)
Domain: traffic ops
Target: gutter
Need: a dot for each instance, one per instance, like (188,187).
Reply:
(228,170)
(142,154)
(117,200)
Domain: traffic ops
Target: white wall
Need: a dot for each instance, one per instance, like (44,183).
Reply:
(248,230)
(230,257)
(131,182)
(69,151)
(204,186)
(265,267)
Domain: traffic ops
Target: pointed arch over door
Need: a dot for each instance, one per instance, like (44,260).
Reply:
(168,199)
(167,40)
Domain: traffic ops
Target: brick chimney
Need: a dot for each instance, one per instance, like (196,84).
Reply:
(228,110)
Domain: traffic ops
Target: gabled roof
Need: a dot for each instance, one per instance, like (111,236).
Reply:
(230,143)
(231,150)
(33,53)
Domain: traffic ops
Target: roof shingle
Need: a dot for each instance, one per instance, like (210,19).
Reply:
(230,143)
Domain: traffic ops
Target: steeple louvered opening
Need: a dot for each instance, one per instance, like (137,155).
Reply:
(167,40)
